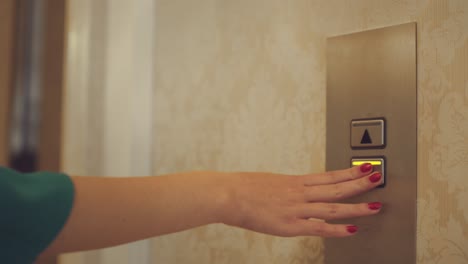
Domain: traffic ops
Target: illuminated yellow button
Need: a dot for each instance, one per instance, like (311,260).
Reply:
(372,162)
(378,164)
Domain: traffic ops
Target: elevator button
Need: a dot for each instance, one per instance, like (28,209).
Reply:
(378,164)
(369,133)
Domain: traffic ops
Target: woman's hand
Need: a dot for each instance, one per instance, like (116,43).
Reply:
(284,205)
(112,211)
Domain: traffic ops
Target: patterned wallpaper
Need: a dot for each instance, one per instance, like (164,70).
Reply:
(240,85)
(237,89)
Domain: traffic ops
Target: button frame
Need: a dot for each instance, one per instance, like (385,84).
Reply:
(357,137)
(383,161)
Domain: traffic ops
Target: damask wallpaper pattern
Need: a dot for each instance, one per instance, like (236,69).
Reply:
(240,85)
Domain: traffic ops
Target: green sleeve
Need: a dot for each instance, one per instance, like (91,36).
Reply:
(33,209)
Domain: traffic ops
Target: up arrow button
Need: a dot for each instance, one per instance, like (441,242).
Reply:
(366,139)
(368,133)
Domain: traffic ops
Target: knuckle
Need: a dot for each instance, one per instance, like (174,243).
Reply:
(289,228)
(365,184)
(331,175)
(332,210)
(350,175)
(337,191)
(355,173)
(298,189)
(320,229)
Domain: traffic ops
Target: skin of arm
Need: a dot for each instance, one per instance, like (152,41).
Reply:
(113,211)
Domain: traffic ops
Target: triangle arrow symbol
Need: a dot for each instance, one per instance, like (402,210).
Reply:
(366,139)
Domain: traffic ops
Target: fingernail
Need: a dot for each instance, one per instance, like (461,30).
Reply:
(352,229)
(366,167)
(375,177)
(375,205)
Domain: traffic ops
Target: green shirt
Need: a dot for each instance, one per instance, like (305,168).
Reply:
(33,209)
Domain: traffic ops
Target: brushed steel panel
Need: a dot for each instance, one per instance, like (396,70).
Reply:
(373,74)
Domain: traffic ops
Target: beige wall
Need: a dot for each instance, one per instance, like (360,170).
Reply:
(240,85)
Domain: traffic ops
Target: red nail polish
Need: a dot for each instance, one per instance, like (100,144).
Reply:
(375,177)
(352,229)
(375,205)
(366,167)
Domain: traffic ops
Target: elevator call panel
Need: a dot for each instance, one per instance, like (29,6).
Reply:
(371,118)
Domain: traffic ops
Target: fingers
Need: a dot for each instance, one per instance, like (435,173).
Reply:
(302,226)
(342,190)
(338,176)
(323,229)
(332,211)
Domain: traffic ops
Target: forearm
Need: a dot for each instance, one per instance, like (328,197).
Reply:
(113,211)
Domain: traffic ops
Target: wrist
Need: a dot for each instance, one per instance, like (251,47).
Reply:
(222,198)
